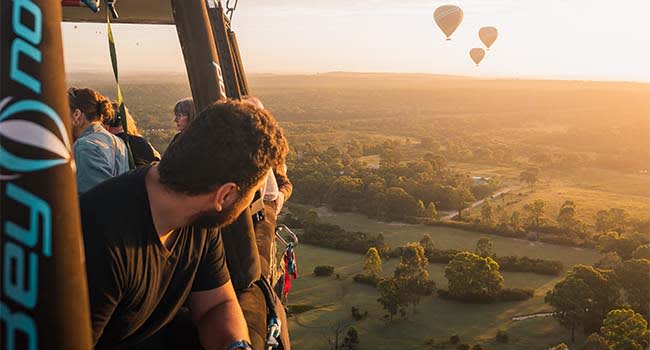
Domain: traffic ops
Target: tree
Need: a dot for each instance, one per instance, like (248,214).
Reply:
(515,221)
(609,261)
(614,242)
(487,214)
(614,219)
(625,329)
(484,247)
(400,204)
(503,220)
(351,339)
(634,277)
(595,342)
(338,329)
(642,252)
(535,212)
(529,176)
(473,277)
(566,218)
(372,264)
(570,303)
(583,298)
(422,211)
(432,212)
(345,193)
(427,243)
(390,297)
(459,198)
(412,276)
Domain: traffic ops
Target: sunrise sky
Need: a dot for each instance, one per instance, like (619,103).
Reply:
(565,39)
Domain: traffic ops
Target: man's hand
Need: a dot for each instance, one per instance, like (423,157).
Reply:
(218,317)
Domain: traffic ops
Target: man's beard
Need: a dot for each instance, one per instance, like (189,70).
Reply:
(213,219)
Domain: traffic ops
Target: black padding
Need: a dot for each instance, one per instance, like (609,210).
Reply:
(253,305)
(45,300)
(241,251)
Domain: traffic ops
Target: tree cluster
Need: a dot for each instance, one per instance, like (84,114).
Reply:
(410,282)
(393,191)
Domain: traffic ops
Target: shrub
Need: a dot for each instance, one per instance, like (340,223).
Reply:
(502,336)
(366,279)
(323,270)
(462,347)
(357,314)
(515,294)
(295,309)
(506,263)
(454,339)
(333,236)
(478,347)
(526,264)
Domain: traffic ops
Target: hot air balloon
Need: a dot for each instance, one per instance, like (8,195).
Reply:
(488,36)
(477,55)
(448,18)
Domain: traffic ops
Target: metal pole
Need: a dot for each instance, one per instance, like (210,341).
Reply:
(200,52)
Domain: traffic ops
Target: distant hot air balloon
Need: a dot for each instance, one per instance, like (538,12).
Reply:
(488,36)
(477,55)
(448,18)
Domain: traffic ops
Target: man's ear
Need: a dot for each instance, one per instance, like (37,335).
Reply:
(225,196)
(76,115)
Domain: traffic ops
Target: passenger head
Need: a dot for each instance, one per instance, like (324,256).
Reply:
(254,101)
(88,106)
(226,151)
(115,126)
(183,113)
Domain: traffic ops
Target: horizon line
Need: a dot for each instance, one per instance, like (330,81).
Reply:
(315,73)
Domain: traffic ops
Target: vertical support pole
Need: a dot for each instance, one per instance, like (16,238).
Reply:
(44,292)
(239,66)
(200,52)
(224,49)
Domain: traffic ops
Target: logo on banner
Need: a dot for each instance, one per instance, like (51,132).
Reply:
(31,134)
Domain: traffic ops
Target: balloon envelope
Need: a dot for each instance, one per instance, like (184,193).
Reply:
(477,55)
(448,18)
(488,35)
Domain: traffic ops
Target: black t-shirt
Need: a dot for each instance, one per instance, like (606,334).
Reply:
(143,152)
(136,285)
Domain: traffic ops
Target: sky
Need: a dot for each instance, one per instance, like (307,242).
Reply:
(551,39)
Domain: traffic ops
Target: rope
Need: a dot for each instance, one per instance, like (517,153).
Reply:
(120,98)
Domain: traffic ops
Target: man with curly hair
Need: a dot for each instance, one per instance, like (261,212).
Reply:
(152,237)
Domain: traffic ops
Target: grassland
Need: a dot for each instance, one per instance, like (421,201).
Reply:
(435,317)
(592,189)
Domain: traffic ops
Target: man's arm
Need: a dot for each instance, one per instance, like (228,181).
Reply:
(218,317)
(284,184)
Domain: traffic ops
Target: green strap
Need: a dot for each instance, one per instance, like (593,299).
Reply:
(120,99)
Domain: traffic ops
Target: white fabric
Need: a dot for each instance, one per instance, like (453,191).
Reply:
(271,191)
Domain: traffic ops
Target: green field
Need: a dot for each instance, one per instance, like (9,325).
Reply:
(591,189)
(435,317)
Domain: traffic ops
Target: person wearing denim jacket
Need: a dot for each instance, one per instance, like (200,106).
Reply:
(99,155)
